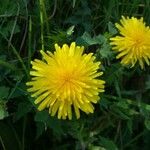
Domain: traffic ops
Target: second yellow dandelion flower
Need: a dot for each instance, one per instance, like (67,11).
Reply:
(133,43)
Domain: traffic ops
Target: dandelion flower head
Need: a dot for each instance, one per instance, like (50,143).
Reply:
(66,80)
(133,43)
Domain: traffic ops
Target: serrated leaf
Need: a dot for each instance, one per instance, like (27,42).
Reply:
(87,40)
(86,37)
(111,28)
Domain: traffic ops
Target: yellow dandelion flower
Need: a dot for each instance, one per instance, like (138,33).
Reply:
(133,44)
(66,79)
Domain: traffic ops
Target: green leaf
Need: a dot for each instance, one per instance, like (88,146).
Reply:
(87,39)
(117,87)
(108,144)
(148,83)
(4,91)
(147,123)
(3,111)
(120,113)
(23,109)
(113,73)
(41,119)
(70,30)
(93,147)
(7,65)
(55,125)
(130,125)
(105,51)
(41,116)
(111,28)
(40,128)
(73,3)
(51,122)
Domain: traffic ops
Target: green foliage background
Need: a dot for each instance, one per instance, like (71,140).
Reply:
(122,117)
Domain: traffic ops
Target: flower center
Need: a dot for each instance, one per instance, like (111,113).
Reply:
(138,40)
(67,77)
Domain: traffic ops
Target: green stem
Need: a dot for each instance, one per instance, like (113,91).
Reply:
(29,46)
(133,140)
(2,143)
(42,22)
(23,133)
(17,55)
(45,16)
(16,136)
(8,65)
